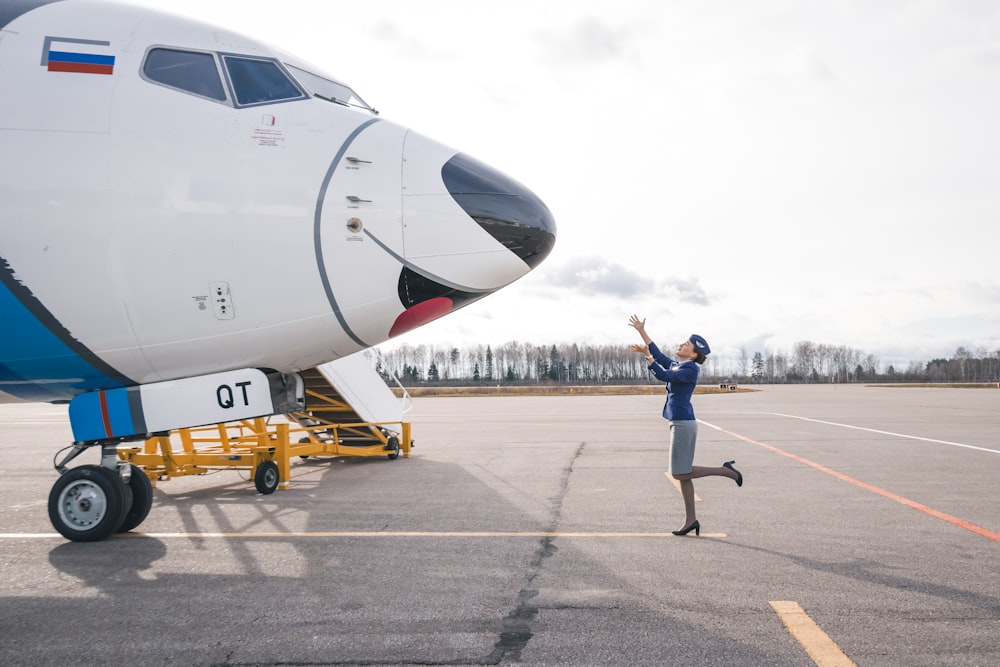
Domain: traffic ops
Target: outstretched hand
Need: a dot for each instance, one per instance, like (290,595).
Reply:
(641,348)
(640,326)
(637,324)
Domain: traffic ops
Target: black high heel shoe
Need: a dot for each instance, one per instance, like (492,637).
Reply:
(694,525)
(739,475)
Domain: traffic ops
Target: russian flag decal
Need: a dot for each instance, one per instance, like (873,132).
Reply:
(77,55)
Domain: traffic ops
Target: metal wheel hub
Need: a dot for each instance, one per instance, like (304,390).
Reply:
(82,504)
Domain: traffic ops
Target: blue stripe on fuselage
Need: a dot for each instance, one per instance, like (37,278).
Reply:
(39,359)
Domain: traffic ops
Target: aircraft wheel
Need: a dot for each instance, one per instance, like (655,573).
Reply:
(87,503)
(303,441)
(142,499)
(393,444)
(266,477)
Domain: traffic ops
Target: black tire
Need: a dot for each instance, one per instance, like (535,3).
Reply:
(393,445)
(266,477)
(88,503)
(142,500)
(303,441)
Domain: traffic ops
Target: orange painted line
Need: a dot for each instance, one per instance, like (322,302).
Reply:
(930,511)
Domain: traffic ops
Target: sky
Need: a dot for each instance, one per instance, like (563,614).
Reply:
(759,173)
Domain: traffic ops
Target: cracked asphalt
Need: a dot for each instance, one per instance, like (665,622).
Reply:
(537,531)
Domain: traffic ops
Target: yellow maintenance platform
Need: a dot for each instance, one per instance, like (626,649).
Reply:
(328,427)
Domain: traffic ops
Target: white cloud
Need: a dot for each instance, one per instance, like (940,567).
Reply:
(590,276)
(585,40)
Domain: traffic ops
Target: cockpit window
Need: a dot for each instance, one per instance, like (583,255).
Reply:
(186,70)
(259,81)
(328,89)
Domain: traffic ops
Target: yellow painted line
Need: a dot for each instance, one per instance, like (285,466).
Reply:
(407,533)
(677,485)
(823,650)
(348,533)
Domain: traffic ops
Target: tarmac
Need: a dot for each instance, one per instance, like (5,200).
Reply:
(536,531)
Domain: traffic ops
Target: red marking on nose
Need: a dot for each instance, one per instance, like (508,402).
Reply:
(421,314)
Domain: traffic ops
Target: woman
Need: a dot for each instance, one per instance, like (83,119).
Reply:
(681,378)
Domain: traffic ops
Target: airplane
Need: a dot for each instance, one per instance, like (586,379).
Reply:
(191,218)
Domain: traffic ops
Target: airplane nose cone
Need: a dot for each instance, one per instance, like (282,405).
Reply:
(508,211)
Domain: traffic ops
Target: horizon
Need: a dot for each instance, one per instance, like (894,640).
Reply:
(717,361)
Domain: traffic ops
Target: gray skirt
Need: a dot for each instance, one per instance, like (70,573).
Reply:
(683,434)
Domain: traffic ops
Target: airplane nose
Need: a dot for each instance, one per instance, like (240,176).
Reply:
(508,211)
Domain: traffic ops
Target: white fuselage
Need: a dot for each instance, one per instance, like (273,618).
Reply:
(150,233)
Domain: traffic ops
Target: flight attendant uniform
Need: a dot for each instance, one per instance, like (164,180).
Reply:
(681,378)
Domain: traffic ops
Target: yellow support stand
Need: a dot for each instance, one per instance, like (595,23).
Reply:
(263,449)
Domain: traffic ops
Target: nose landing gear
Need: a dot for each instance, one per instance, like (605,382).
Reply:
(90,502)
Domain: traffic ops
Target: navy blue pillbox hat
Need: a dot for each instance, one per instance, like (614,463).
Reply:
(700,344)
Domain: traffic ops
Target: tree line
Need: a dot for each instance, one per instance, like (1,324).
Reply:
(518,363)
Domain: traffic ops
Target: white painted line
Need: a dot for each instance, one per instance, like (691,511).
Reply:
(896,435)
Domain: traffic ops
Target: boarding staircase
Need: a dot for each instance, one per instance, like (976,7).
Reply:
(323,399)
(350,394)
